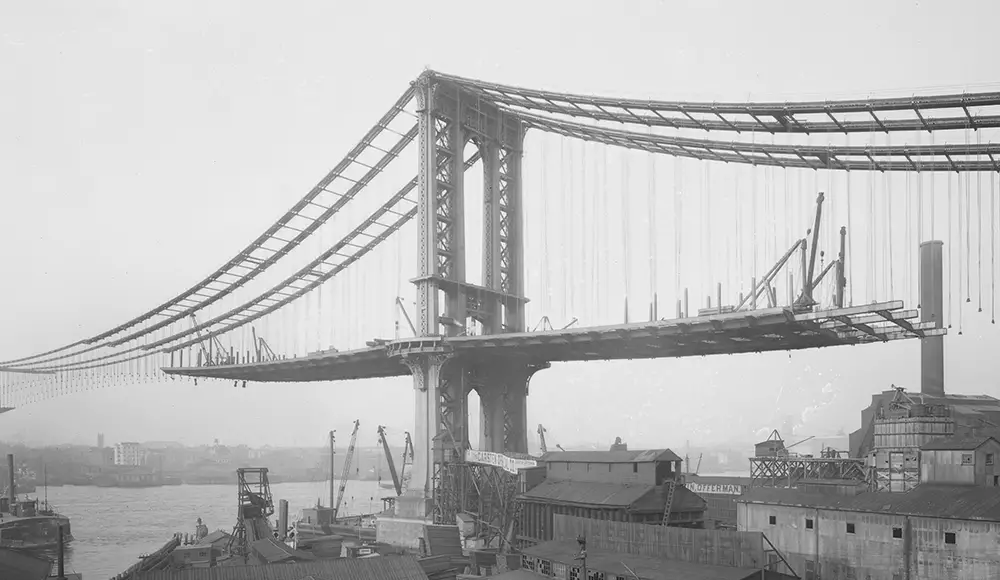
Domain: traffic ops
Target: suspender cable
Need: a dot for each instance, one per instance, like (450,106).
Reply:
(706,205)
(850,247)
(546,192)
(625,224)
(651,200)
(993,245)
(979,219)
(678,182)
(888,222)
(562,195)
(606,234)
(951,250)
(968,235)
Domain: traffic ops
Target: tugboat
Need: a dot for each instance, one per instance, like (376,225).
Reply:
(26,524)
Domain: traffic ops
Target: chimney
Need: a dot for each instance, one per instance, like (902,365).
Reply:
(10,491)
(932,310)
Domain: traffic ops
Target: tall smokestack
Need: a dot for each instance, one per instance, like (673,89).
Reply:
(11,494)
(931,310)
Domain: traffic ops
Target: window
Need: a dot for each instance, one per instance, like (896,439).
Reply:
(897,532)
(850,528)
(635,468)
(545,567)
(809,524)
(967,459)
(989,459)
(949,537)
(772,520)
(996,481)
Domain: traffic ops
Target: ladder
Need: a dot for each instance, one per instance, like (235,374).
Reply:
(671,488)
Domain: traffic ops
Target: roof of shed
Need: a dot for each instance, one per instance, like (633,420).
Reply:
(613,495)
(966,443)
(957,502)
(635,456)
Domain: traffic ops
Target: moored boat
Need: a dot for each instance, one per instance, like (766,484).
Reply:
(28,524)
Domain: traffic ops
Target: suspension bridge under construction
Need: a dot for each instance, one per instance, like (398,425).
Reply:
(611,213)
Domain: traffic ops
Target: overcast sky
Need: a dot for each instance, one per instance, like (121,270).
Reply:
(144,144)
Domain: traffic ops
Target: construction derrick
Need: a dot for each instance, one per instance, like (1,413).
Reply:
(347,469)
(254,506)
(396,481)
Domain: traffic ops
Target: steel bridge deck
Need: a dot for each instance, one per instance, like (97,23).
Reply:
(765,330)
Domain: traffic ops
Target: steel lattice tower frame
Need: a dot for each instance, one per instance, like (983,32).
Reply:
(451,117)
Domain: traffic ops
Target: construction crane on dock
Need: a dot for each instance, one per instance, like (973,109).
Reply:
(541,440)
(407,457)
(396,482)
(347,468)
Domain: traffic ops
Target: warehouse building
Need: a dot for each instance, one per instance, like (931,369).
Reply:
(623,486)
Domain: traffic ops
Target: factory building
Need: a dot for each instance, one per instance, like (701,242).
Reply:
(622,486)
(932,532)
(948,526)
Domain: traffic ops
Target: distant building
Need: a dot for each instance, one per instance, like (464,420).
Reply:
(129,453)
(100,440)
(970,414)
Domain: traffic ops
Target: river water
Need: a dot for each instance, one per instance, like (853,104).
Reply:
(113,526)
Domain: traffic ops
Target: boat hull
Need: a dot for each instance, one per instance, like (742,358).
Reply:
(33,533)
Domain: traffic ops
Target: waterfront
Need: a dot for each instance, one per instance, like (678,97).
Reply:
(113,526)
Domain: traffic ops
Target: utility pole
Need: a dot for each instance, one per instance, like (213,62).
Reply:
(583,554)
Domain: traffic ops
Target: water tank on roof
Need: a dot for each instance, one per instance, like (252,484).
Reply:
(618,445)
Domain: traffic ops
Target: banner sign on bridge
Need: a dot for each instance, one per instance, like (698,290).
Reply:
(508,464)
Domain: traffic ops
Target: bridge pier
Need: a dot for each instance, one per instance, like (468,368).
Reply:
(503,401)
(450,117)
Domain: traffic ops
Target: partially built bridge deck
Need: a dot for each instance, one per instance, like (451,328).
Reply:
(765,330)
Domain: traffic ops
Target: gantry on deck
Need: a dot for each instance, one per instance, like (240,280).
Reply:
(773,329)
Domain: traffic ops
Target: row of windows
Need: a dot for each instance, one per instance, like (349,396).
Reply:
(949,537)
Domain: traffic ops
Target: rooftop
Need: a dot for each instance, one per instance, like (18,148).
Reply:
(644,567)
(619,495)
(961,443)
(958,502)
(634,456)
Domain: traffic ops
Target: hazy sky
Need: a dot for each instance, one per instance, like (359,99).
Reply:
(143,144)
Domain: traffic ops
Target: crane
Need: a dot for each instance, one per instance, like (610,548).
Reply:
(407,457)
(541,437)
(347,468)
(396,482)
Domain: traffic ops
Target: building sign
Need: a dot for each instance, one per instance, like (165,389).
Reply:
(715,488)
(500,460)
